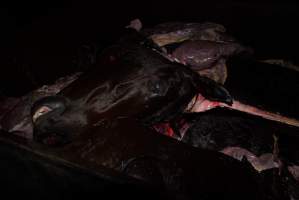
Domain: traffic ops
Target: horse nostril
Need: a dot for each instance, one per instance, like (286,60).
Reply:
(41,111)
(48,105)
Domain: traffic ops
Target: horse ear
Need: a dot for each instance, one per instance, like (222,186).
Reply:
(213,91)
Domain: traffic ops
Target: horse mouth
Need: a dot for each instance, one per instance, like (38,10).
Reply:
(52,139)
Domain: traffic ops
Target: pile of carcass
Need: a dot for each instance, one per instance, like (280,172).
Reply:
(163,106)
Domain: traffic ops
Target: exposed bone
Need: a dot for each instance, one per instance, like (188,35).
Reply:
(201,104)
(282,63)
(262,113)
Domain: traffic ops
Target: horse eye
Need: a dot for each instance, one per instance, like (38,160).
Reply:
(41,111)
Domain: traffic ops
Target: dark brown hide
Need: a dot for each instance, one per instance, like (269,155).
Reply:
(131,80)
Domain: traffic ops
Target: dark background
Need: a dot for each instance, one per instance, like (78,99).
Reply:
(43,40)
